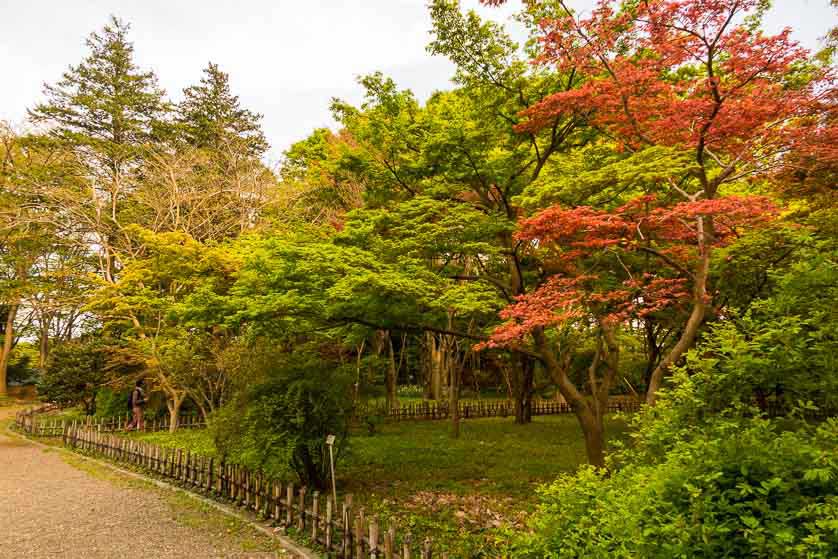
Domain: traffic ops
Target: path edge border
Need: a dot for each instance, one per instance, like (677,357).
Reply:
(286,542)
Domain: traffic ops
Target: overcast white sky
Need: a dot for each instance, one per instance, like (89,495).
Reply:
(286,58)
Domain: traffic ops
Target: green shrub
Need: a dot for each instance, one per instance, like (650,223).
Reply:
(22,368)
(372,421)
(74,372)
(110,403)
(740,489)
(707,475)
(280,425)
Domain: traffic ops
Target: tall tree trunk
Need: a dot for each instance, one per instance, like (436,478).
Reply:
(523,376)
(593,429)
(392,375)
(436,364)
(690,332)
(589,412)
(6,350)
(173,403)
(356,396)
(43,348)
(454,399)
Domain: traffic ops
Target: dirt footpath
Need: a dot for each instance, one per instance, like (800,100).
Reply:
(54,505)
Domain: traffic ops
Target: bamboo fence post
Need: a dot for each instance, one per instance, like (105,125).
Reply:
(257,497)
(359,538)
(374,538)
(289,502)
(408,539)
(247,487)
(315,510)
(277,494)
(426,549)
(389,542)
(220,479)
(328,527)
(301,522)
(346,540)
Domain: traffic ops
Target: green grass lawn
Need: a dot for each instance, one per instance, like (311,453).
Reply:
(465,492)
(492,455)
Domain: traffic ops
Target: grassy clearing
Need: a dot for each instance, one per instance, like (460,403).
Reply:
(468,492)
(492,455)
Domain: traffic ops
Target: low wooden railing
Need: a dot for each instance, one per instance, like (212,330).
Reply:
(339,528)
(489,408)
(34,423)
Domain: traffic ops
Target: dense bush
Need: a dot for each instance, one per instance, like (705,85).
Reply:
(22,366)
(110,403)
(280,425)
(74,372)
(740,489)
(709,476)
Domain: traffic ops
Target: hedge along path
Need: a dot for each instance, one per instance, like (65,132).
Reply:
(49,508)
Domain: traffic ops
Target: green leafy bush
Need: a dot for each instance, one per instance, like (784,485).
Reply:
(707,474)
(110,403)
(74,372)
(22,364)
(740,489)
(280,425)
(786,345)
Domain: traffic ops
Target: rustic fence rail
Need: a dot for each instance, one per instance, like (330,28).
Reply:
(499,408)
(34,423)
(338,527)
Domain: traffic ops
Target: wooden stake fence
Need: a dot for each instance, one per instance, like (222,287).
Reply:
(497,408)
(339,528)
(31,423)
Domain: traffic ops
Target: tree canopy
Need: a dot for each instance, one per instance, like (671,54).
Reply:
(638,203)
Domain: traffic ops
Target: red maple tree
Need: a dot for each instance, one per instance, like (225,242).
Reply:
(696,76)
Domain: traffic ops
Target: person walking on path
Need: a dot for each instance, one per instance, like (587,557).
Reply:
(137,401)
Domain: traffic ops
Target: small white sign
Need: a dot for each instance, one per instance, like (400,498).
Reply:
(330,440)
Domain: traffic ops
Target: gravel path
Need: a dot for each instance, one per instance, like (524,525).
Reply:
(56,506)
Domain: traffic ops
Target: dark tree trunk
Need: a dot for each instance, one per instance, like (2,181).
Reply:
(174,403)
(523,376)
(6,350)
(593,429)
(308,472)
(454,400)
(392,375)
(691,328)
(589,412)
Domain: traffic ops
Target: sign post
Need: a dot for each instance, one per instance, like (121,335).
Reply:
(330,441)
